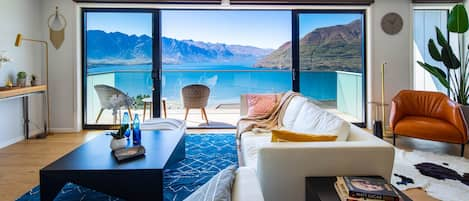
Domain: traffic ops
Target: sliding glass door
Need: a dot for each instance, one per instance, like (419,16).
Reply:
(331,60)
(117,65)
(230,52)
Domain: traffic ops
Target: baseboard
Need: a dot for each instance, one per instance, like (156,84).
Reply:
(11,141)
(63,130)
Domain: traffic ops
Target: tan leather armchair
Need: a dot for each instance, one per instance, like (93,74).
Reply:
(428,115)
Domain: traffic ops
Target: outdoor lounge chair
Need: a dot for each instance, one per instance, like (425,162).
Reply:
(113,99)
(195,96)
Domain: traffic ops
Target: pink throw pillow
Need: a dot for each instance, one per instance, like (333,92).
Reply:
(261,104)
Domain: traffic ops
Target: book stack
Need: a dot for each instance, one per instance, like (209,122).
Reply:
(352,188)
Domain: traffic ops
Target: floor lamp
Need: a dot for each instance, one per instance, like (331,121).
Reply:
(18,41)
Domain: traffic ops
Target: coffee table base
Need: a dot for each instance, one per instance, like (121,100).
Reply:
(131,185)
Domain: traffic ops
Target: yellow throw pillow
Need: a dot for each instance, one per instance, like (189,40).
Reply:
(290,136)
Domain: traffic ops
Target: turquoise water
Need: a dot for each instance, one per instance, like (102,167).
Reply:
(226,85)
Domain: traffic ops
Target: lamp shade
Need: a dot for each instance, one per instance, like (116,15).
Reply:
(19,37)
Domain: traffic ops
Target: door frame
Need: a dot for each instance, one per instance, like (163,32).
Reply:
(156,60)
(296,51)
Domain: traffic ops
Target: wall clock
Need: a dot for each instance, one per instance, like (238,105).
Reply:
(392,23)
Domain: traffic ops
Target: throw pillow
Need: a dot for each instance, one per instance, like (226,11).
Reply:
(218,188)
(290,136)
(260,104)
(73,192)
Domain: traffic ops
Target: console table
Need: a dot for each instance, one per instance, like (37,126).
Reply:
(7,93)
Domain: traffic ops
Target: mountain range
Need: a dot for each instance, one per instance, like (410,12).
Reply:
(324,49)
(123,49)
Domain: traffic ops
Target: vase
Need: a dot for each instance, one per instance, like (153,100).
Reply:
(465,112)
(118,143)
(34,82)
(21,82)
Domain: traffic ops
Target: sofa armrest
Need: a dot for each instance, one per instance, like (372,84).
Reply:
(246,186)
(282,167)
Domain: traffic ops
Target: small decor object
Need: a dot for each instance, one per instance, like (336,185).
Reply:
(128,153)
(392,23)
(34,81)
(57,24)
(3,58)
(136,133)
(126,125)
(21,79)
(119,139)
(9,83)
(358,187)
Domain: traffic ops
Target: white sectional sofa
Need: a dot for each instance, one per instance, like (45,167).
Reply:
(282,167)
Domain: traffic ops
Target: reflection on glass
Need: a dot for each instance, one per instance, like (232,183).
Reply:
(119,55)
(331,62)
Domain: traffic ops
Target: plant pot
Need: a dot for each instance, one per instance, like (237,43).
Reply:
(465,112)
(21,82)
(118,143)
(34,83)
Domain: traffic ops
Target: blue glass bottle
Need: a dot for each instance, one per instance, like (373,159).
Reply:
(125,124)
(137,133)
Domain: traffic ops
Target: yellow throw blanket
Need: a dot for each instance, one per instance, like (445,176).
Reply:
(268,121)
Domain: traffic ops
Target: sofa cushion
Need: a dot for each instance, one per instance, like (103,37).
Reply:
(310,118)
(250,144)
(428,128)
(261,104)
(246,186)
(289,136)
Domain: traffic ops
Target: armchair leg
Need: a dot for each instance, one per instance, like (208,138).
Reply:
(462,149)
(394,139)
(99,114)
(187,112)
(204,113)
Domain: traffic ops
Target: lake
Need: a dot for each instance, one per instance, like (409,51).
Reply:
(226,81)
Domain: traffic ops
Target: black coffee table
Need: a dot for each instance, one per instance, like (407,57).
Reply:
(92,165)
(322,189)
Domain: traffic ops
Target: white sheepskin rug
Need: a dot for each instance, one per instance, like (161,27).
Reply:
(446,189)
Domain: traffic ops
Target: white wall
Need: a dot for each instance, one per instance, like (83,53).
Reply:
(63,68)
(395,50)
(19,16)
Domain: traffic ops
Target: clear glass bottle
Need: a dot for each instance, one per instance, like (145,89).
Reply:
(125,124)
(137,133)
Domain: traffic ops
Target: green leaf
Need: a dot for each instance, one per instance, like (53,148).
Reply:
(441,38)
(457,19)
(435,71)
(450,60)
(434,52)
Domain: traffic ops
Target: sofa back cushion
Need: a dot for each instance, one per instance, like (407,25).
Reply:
(304,116)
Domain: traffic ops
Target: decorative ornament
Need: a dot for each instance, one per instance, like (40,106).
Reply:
(57,24)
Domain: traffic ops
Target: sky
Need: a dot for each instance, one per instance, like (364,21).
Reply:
(264,29)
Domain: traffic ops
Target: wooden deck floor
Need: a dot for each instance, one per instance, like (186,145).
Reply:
(20,162)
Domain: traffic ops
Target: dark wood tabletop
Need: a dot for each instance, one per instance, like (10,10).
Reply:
(96,154)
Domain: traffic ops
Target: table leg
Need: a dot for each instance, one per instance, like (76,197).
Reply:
(26,116)
(144,110)
(164,108)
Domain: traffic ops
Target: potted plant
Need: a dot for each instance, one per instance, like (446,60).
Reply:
(119,140)
(456,77)
(34,81)
(21,79)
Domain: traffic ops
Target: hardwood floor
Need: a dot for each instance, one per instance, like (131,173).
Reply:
(20,162)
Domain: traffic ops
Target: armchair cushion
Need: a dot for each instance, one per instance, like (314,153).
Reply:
(428,128)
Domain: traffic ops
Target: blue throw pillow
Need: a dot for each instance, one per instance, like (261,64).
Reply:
(73,192)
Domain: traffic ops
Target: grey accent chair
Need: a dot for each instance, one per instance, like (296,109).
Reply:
(195,96)
(113,99)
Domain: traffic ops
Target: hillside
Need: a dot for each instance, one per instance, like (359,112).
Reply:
(119,48)
(325,49)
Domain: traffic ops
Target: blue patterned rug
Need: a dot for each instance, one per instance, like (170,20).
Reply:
(206,155)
